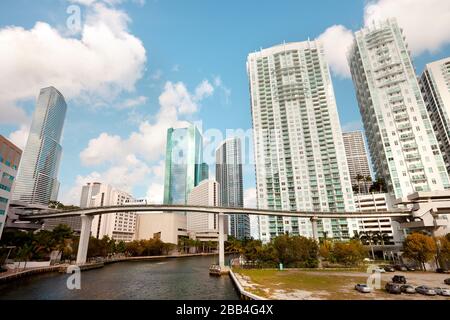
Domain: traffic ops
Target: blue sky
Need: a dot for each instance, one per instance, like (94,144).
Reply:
(168,62)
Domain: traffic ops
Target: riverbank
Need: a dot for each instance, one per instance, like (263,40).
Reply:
(62,268)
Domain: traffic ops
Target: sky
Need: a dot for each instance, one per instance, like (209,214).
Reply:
(130,69)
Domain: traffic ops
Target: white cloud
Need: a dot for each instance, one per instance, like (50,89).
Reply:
(90,67)
(426,24)
(250,198)
(134,102)
(336,41)
(20,136)
(203,90)
(149,141)
(128,158)
(218,83)
(127,173)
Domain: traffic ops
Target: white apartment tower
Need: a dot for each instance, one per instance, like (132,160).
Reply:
(435,86)
(355,151)
(299,150)
(118,226)
(204,225)
(401,140)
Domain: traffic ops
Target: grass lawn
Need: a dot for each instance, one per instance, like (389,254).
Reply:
(318,283)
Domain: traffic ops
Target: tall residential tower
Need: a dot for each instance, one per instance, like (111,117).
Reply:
(229,177)
(38,171)
(435,86)
(358,163)
(401,140)
(299,150)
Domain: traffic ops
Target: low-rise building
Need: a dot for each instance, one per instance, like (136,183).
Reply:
(169,227)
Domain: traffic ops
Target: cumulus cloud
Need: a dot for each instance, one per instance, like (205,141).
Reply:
(149,141)
(133,102)
(90,66)
(20,136)
(426,24)
(336,41)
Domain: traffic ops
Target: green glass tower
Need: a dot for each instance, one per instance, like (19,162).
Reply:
(184,158)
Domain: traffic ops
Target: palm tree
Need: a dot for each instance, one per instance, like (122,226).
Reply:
(367,183)
(369,238)
(359,177)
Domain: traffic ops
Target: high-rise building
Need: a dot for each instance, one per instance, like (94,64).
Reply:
(204,226)
(184,156)
(229,177)
(402,144)
(299,150)
(9,162)
(38,171)
(204,171)
(358,163)
(117,226)
(435,86)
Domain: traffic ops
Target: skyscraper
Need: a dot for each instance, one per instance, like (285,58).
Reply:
(229,177)
(401,140)
(184,156)
(299,150)
(38,172)
(358,163)
(117,226)
(9,162)
(204,171)
(435,86)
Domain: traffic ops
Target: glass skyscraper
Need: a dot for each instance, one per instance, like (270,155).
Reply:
(299,150)
(229,177)
(183,168)
(38,171)
(402,143)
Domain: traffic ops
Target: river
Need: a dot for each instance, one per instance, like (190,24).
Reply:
(171,279)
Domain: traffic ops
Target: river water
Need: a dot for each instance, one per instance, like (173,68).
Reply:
(171,279)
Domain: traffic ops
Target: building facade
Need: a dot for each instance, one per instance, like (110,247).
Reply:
(299,151)
(379,202)
(184,158)
(229,177)
(9,162)
(435,87)
(357,160)
(204,226)
(117,226)
(401,140)
(37,179)
(169,227)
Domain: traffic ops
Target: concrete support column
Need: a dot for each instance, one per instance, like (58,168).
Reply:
(86,223)
(221,240)
(314,228)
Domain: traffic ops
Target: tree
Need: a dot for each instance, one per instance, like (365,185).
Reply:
(325,249)
(369,238)
(419,247)
(359,178)
(367,183)
(349,253)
